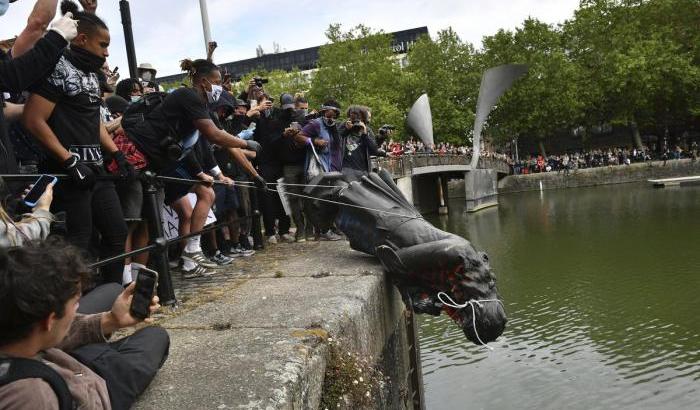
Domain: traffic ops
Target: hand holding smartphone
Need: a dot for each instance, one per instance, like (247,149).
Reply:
(146,282)
(32,197)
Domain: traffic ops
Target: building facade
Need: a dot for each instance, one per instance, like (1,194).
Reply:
(305,59)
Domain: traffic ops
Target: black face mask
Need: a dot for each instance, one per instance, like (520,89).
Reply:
(85,60)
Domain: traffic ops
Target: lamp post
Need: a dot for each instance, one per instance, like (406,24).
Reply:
(128,37)
(205,24)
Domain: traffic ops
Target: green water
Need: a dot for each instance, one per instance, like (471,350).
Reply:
(602,290)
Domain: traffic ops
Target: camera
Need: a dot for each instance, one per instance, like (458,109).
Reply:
(259,81)
(356,126)
(386,129)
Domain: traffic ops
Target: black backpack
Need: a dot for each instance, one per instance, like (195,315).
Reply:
(136,113)
(14,369)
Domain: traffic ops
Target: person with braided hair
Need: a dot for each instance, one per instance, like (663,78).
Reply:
(168,135)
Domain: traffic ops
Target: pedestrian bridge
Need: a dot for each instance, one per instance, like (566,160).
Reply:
(423,179)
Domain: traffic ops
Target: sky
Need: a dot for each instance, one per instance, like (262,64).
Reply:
(166,31)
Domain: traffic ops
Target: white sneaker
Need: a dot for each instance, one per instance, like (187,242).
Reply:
(272,239)
(287,238)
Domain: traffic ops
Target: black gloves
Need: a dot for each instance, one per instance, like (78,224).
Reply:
(124,168)
(260,183)
(81,175)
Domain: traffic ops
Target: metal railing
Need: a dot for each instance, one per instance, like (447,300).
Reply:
(403,166)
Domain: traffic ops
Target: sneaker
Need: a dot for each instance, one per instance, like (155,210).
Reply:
(272,239)
(330,236)
(300,238)
(234,252)
(199,258)
(287,238)
(198,271)
(220,259)
(174,263)
(245,252)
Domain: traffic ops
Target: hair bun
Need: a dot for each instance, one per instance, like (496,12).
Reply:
(187,65)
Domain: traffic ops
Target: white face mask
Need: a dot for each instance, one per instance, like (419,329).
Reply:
(147,76)
(215,93)
(4,5)
(135,98)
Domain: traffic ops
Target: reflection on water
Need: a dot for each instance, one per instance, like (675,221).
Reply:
(601,288)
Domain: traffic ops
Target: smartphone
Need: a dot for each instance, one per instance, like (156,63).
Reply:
(253,103)
(38,189)
(115,70)
(146,282)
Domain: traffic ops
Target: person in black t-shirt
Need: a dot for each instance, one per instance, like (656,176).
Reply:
(24,69)
(167,136)
(64,114)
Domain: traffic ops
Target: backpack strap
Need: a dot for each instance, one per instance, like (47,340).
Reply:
(14,369)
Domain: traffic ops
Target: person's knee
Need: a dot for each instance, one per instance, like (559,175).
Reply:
(159,342)
(207,195)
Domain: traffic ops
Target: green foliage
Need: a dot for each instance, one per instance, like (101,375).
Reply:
(639,60)
(447,69)
(547,99)
(358,67)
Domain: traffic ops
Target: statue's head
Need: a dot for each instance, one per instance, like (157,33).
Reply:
(472,288)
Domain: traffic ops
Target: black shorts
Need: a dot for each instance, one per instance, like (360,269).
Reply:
(176,190)
(226,199)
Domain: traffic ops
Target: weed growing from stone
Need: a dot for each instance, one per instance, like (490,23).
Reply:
(350,381)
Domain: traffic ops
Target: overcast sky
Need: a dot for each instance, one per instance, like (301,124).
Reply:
(167,31)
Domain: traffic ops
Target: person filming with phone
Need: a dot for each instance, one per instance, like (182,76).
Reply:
(35,225)
(52,357)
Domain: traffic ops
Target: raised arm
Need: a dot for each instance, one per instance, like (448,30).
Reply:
(44,11)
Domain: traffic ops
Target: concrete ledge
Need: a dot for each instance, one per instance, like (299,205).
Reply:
(261,344)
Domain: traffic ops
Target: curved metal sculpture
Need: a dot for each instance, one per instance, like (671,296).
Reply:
(494,83)
(420,119)
(419,258)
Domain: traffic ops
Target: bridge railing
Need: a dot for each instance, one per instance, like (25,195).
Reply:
(402,166)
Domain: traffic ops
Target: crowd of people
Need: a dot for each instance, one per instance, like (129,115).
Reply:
(599,158)
(213,149)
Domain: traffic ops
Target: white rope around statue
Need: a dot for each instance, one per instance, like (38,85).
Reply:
(471,302)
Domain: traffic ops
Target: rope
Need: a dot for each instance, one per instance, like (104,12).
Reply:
(471,302)
(342,203)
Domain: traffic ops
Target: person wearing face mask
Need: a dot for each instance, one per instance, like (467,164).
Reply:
(167,136)
(269,132)
(358,142)
(147,77)
(322,133)
(28,67)
(293,157)
(63,113)
(129,89)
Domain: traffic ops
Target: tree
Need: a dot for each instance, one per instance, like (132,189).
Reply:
(358,67)
(639,69)
(547,100)
(448,71)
